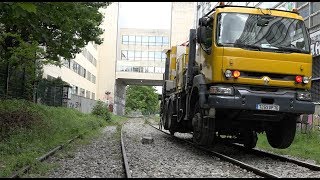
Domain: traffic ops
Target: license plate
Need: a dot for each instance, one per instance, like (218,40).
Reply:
(268,107)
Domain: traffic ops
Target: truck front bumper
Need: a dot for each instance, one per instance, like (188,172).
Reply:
(246,99)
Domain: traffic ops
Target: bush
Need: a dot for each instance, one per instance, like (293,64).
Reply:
(101,110)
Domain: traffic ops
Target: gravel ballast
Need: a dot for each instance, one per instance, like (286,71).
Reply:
(101,158)
(167,157)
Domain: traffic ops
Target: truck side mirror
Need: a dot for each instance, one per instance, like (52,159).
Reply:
(201,34)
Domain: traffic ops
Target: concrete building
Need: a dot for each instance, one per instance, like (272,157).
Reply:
(80,73)
(134,56)
(140,60)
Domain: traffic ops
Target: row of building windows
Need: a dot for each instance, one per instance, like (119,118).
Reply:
(143,55)
(141,69)
(89,56)
(80,70)
(82,92)
(146,40)
(310,11)
(78,91)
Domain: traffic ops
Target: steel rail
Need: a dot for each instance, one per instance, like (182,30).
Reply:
(124,157)
(226,158)
(260,152)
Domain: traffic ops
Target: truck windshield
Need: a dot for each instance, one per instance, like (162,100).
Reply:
(263,33)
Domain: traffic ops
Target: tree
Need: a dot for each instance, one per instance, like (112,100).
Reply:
(44,31)
(143,98)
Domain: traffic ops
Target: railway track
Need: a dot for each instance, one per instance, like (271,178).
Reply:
(124,157)
(256,152)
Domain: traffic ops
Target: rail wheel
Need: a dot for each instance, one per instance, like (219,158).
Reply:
(203,128)
(250,139)
(281,134)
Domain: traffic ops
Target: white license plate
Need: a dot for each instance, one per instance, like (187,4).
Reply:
(268,107)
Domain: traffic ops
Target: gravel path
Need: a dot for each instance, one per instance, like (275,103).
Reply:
(101,158)
(167,157)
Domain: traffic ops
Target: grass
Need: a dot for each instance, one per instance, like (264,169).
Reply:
(305,146)
(30,130)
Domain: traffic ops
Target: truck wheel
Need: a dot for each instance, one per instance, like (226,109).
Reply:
(282,133)
(250,139)
(203,128)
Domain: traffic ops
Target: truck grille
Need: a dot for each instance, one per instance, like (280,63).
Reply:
(258,75)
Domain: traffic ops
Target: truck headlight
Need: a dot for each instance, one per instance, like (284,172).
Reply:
(305,79)
(221,90)
(304,96)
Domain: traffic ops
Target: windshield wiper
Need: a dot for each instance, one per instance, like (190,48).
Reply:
(288,49)
(250,46)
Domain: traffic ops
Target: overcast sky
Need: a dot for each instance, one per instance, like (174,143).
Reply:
(145,15)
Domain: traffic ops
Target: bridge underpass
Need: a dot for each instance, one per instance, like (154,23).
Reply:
(131,78)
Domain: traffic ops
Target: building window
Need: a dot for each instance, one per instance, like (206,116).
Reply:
(152,40)
(150,69)
(304,12)
(151,56)
(315,20)
(315,6)
(306,22)
(93,96)
(299,4)
(88,94)
(76,91)
(157,69)
(93,78)
(84,72)
(125,39)
(165,41)
(66,63)
(158,41)
(89,76)
(132,39)
(144,40)
(137,55)
(138,40)
(82,91)
(157,55)
(131,55)
(144,55)
(124,55)
(163,56)
(75,66)
(135,69)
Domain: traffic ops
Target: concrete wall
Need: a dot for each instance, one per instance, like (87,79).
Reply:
(182,20)
(80,103)
(107,54)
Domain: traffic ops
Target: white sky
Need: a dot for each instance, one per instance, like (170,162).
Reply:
(145,15)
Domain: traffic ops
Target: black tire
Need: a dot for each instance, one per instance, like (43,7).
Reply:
(250,139)
(165,116)
(281,134)
(172,122)
(203,129)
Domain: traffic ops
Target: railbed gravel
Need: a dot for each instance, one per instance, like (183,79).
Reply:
(276,167)
(101,158)
(167,157)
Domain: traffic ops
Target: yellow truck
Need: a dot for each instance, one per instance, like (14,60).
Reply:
(244,71)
